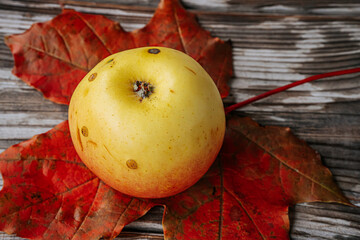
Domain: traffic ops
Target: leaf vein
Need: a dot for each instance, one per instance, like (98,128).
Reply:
(290,167)
(179,30)
(65,43)
(59,210)
(246,211)
(57,57)
(54,196)
(119,218)
(44,159)
(94,32)
(92,204)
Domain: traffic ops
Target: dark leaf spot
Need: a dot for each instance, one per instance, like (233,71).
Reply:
(235,213)
(36,196)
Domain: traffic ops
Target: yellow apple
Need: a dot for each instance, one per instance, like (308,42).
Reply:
(149,121)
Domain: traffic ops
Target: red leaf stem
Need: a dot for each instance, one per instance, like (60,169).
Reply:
(291,85)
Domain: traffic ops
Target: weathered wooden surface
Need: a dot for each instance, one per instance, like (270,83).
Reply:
(273,44)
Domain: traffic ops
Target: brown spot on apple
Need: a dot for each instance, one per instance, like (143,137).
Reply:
(154,50)
(108,151)
(92,143)
(190,70)
(92,77)
(132,164)
(79,138)
(111,61)
(86,91)
(84,131)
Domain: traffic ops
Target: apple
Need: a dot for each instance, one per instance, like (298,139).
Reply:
(149,122)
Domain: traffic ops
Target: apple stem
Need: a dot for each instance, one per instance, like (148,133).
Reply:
(143,89)
(291,85)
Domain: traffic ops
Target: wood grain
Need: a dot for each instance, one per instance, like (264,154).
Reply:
(273,44)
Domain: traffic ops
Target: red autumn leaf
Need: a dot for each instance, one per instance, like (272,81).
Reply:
(54,56)
(49,193)
(261,171)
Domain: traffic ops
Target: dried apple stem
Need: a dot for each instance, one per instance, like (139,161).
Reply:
(143,89)
(291,85)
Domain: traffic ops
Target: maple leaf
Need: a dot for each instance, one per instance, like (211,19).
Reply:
(49,193)
(54,56)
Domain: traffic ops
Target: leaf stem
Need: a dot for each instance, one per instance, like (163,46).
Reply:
(291,85)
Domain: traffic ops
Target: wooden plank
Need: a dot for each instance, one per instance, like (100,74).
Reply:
(307,7)
(272,45)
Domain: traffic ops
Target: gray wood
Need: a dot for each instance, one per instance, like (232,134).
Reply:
(273,44)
